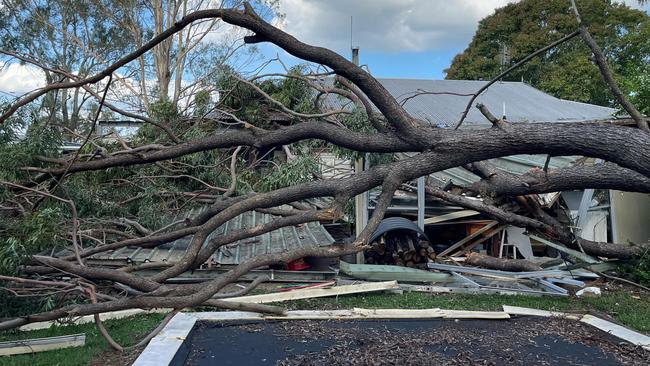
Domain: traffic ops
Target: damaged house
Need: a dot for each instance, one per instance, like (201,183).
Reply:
(421,227)
(598,215)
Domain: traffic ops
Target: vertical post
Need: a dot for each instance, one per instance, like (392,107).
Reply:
(366,194)
(421,202)
(361,200)
(612,217)
(583,209)
(359,209)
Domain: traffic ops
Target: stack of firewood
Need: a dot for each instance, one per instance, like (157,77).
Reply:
(400,248)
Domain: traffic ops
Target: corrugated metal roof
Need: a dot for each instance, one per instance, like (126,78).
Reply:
(523,103)
(312,234)
(516,164)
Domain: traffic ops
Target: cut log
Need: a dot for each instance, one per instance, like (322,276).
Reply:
(502,264)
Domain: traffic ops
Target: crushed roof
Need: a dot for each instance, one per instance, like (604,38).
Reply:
(311,234)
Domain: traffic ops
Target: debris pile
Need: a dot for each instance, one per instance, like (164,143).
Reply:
(400,248)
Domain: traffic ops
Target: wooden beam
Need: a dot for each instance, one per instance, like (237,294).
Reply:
(466,239)
(482,239)
(450,216)
(517,310)
(317,292)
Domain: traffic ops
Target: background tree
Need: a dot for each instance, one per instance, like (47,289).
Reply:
(69,35)
(566,71)
(190,61)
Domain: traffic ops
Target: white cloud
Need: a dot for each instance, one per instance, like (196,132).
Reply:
(386,25)
(19,79)
(391,25)
(635,4)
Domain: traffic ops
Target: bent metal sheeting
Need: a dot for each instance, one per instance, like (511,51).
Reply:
(312,234)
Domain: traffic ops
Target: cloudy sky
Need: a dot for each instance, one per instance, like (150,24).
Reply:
(397,38)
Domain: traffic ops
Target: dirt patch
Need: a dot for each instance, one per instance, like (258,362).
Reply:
(113,358)
(523,341)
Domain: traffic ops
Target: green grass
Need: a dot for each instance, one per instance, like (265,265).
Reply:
(622,306)
(126,332)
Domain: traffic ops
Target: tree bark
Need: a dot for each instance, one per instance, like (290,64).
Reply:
(502,264)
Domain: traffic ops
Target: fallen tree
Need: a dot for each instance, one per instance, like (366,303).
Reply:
(624,146)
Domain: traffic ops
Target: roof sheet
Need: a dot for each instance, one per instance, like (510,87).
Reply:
(312,234)
(523,103)
(517,164)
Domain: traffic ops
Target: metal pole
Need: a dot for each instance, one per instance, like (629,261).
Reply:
(421,202)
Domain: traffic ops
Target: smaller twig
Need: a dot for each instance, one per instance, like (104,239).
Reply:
(154,332)
(167,227)
(510,69)
(499,123)
(90,290)
(606,73)
(285,108)
(244,290)
(546,163)
(622,280)
(233,173)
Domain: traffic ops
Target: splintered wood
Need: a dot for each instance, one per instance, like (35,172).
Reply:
(316,292)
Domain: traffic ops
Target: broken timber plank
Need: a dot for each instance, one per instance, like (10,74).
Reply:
(355,313)
(617,330)
(602,324)
(516,310)
(469,314)
(450,216)
(481,239)
(399,313)
(41,344)
(317,292)
(467,239)
(430,313)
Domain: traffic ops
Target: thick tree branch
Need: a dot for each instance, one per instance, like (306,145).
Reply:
(598,176)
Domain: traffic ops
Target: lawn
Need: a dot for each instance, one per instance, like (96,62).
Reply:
(127,331)
(626,308)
